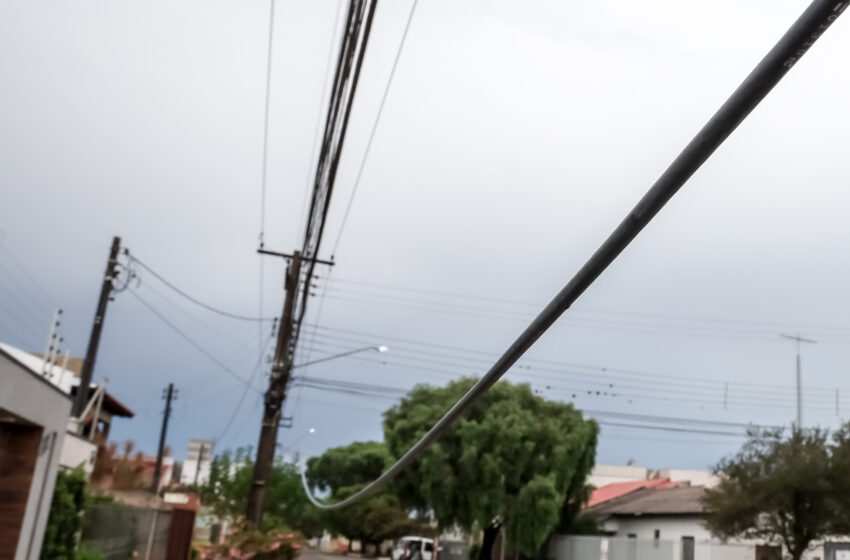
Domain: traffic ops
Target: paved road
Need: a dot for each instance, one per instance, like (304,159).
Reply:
(310,554)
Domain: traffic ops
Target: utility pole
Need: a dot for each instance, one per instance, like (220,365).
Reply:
(97,327)
(157,472)
(798,339)
(281,368)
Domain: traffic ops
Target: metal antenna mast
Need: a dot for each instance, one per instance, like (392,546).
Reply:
(798,339)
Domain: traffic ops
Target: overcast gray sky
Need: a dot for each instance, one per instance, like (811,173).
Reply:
(514,138)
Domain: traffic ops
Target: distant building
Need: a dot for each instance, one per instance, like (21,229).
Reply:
(655,513)
(81,442)
(602,475)
(196,466)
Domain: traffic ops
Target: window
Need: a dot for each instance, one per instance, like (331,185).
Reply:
(429,547)
(687,548)
(632,536)
(657,534)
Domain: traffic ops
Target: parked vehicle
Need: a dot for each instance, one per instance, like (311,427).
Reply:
(405,546)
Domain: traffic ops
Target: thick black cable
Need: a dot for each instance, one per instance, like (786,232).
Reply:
(797,40)
(318,214)
(374,129)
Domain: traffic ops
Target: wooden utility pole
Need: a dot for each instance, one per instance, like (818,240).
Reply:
(281,368)
(157,472)
(81,399)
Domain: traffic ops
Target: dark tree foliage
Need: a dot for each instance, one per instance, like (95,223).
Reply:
(514,460)
(342,471)
(339,467)
(226,491)
(784,489)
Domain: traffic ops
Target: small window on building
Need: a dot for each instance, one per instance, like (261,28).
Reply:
(657,534)
(632,536)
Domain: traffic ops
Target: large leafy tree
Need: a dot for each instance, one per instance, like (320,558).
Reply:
(789,489)
(226,492)
(514,460)
(341,471)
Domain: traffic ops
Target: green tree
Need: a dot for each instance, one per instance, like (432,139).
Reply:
(342,471)
(351,464)
(226,491)
(65,519)
(514,460)
(789,490)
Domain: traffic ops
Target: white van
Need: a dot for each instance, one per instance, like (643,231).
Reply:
(403,547)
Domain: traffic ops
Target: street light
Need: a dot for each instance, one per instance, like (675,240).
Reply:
(307,432)
(379,349)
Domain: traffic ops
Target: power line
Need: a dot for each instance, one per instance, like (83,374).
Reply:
(773,67)
(624,396)
(266,125)
(316,143)
(360,337)
(33,281)
(350,62)
(768,326)
(192,299)
(20,323)
(573,321)
(374,128)
(353,49)
(248,385)
(35,319)
(189,339)
(386,392)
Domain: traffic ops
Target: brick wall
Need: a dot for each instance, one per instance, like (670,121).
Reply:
(18,455)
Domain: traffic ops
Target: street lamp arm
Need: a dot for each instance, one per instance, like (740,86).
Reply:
(344,354)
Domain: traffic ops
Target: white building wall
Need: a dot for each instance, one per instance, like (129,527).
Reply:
(670,528)
(609,474)
(696,478)
(77,451)
(36,400)
(190,466)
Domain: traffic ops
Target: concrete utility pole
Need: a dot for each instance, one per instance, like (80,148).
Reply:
(798,339)
(94,339)
(281,368)
(198,464)
(157,471)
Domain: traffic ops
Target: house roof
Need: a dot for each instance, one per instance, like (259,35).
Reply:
(616,489)
(65,379)
(110,404)
(684,500)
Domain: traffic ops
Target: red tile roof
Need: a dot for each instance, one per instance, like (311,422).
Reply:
(617,489)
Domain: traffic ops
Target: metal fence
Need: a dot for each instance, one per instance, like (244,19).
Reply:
(619,548)
(121,532)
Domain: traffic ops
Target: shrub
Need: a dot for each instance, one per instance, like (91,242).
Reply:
(86,552)
(65,520)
